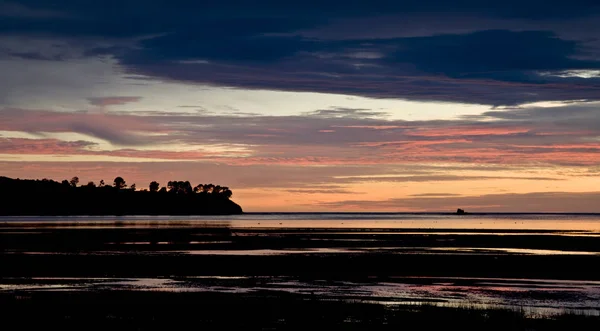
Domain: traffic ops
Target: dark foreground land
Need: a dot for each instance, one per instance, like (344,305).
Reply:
(261,311)
(46,272)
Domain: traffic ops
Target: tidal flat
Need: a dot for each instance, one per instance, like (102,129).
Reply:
(293,272)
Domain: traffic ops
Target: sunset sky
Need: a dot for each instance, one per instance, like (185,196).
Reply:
(426,105)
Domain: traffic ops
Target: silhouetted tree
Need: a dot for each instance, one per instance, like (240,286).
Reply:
(180,187)
(74,181)
(68,198)
(222,191)
(101,183)
(207,188)
(119,183)
(154,186)
(48,197)
(226,192)
(187,187)
(172,186)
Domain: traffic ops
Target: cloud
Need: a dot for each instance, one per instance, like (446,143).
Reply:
(42,146)
(25,146)
(346,113)
(13,9)
(112,101)
(434,177)
(476,53)
(291,178)
(580,202)
(322,190)
(435,195)
(484,53)
(467,131)
(264,176)
(118,130)
(563,135)
(389,80)
(582,73)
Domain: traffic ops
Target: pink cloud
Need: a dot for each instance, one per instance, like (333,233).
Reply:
(116,128)
(24,146)
(41,146)
(292,140)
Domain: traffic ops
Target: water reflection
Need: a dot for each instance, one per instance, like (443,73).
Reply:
(565,222)
(542,297)
(529,251)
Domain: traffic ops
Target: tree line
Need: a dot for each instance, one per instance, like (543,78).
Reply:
(173,187)
(68,197)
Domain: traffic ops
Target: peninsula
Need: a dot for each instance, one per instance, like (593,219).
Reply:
(51,198)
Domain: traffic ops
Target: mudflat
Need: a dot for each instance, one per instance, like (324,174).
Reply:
(216,275)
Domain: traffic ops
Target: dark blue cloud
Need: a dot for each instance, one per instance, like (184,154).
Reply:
(133,17)
(259,44)
(491,51)
(487,67)
(233,8)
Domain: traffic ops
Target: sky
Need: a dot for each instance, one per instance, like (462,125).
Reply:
(428,105)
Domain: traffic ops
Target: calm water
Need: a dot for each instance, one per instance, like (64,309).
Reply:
(563,222)
(319,234)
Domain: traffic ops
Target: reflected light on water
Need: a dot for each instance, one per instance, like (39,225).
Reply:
(561,222)
(539,297)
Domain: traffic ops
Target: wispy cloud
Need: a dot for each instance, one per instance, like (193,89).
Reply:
(112,101)
(118,130)
(496,137)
